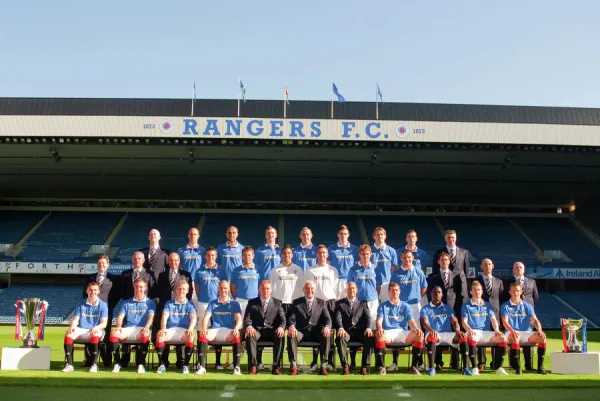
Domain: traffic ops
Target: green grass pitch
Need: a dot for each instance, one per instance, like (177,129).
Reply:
(53,384)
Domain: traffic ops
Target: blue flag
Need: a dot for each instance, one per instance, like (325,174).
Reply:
(338,94)
(243,90)
(379,94)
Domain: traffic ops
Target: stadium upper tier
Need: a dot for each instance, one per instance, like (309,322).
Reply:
(61,300)
(66,236)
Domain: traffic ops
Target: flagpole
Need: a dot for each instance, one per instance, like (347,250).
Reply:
(285,99)
(193,97)
(376,101)
(332,83)
(239,94)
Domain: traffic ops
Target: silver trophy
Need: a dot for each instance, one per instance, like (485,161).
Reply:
(32,309)
(572,327)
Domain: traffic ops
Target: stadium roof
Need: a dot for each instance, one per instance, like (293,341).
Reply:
(301,110)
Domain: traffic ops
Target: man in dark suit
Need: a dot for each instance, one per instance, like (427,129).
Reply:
(167,281)
(353,323)
(130,275)
(529,294)
(308,320)
(493,290)
(454,289)
(264,319)
(459,257)
(156,260)
(128,278)
(110,292)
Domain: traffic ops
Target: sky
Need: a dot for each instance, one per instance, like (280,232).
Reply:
(533,52)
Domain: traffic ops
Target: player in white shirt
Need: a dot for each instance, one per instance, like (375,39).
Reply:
(286,279)
(326,279)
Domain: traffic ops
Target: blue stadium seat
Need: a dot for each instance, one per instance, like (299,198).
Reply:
(64,236)
(62,299)
(584,301)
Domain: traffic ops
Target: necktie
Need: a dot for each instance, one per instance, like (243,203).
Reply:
(136,275)
(310,307)
(488,285)
(445,278)
(152,254)
(452,256)
(352,305)
(100,279)
(172,280)
(264,307)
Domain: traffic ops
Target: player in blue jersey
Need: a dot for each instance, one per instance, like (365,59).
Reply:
(396,325)
(420,259)
(343,255)
(517,317)
(385,260)
(138,314)
(305,254)
(364,275)
(413,286)
(226,326)
(245,279)
(206,282)
(477,317)
(177,325)
(192,254)
(229,254)
(88,324)
(441,327)
(268,256)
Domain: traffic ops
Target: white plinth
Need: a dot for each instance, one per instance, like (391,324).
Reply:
(576,364)
(17,358)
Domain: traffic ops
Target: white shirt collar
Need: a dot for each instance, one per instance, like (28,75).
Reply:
(248,267)
(143,300)
(342,246)
(309,299)
(473,303)
(517,278)
(185,301)
(433,306)
(380,248)
(511,302)
(306,247)
(269,246)
(449,247)
(405,269)
(87,301)
(351,300)
(264,300)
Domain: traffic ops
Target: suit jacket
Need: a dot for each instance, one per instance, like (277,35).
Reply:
(455,295)
(273,318)
(298,314)
(162,291)
(127,283)
(496,295)
(530,292)
(352,318)
(462,260)
(109,290)
(160,263)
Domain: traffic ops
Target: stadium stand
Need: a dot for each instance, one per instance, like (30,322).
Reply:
(251,228)
(324,228)
(560,234)
(584,301)
(61,300)
(549,310)
(494,238)
(64,236)
(133,235)
(14,226)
